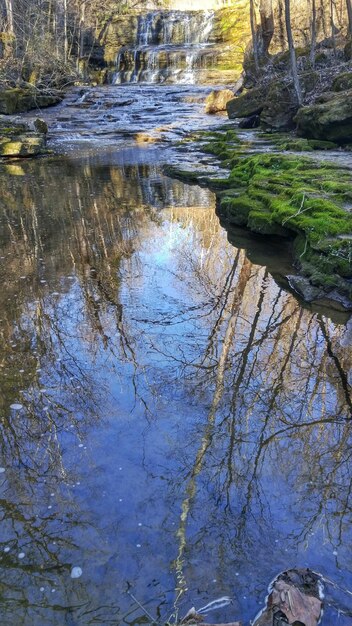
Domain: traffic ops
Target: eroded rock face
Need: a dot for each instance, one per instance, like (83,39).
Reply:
(328,120)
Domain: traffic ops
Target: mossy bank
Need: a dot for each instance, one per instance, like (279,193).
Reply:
(306,201)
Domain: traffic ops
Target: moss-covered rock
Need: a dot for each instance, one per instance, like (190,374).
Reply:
(290,196)
(348,50)
(281,103)
(280,106)
(19,100)
(342,82)
(330,120)
(250,103)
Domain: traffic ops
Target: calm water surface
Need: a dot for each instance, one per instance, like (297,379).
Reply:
(173,422)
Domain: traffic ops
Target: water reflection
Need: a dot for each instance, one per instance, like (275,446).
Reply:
(184,430)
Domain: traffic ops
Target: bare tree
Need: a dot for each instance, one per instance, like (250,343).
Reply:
(349,13)
(9,15)
(313,33)
(293,60)
(254,34)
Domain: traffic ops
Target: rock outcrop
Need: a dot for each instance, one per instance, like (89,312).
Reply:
(20,99)
(329,119)
(20,140)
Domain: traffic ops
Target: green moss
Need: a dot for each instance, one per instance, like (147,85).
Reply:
(290,195)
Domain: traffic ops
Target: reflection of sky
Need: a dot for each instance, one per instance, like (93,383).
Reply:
(116,416)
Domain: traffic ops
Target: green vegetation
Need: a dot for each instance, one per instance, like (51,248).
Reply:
(291,196)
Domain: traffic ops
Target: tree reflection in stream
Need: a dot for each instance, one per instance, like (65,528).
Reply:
(185,427)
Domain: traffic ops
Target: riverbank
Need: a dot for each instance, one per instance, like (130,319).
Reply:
(288,196)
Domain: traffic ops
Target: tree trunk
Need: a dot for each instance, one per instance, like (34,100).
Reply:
(291,47)
(349,13)
(254,34)
(313,34)
(65,30)
(266,23)
(9,16)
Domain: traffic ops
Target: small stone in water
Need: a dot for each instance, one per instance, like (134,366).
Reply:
(335,552)
(21,555)
(7,549)
(139,524)
(50,507)
(80,445)
(53,590)
(76,572)
(139,545)
(41,589)
(16,407)
(2,470)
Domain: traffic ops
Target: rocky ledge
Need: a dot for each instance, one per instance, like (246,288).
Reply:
(15,100)
(18,139)
(303,200)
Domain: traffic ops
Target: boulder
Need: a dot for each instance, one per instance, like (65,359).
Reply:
(217,101)
(348,50)
(280,107)
(330,120)
(342,82)
(250,103)
(281,103)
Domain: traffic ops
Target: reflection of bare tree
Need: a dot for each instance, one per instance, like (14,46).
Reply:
(267,381)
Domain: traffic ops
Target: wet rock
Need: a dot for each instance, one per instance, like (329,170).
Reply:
(217,101)
(304,288)
(250,103)
(250,122)
(328,120)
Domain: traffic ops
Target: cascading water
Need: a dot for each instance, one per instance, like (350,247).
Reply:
(171,46)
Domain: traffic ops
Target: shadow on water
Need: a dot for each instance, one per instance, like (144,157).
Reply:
(173,422)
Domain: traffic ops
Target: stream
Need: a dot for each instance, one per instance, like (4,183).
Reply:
(175,424)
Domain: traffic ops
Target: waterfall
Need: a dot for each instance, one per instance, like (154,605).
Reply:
(170,46)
